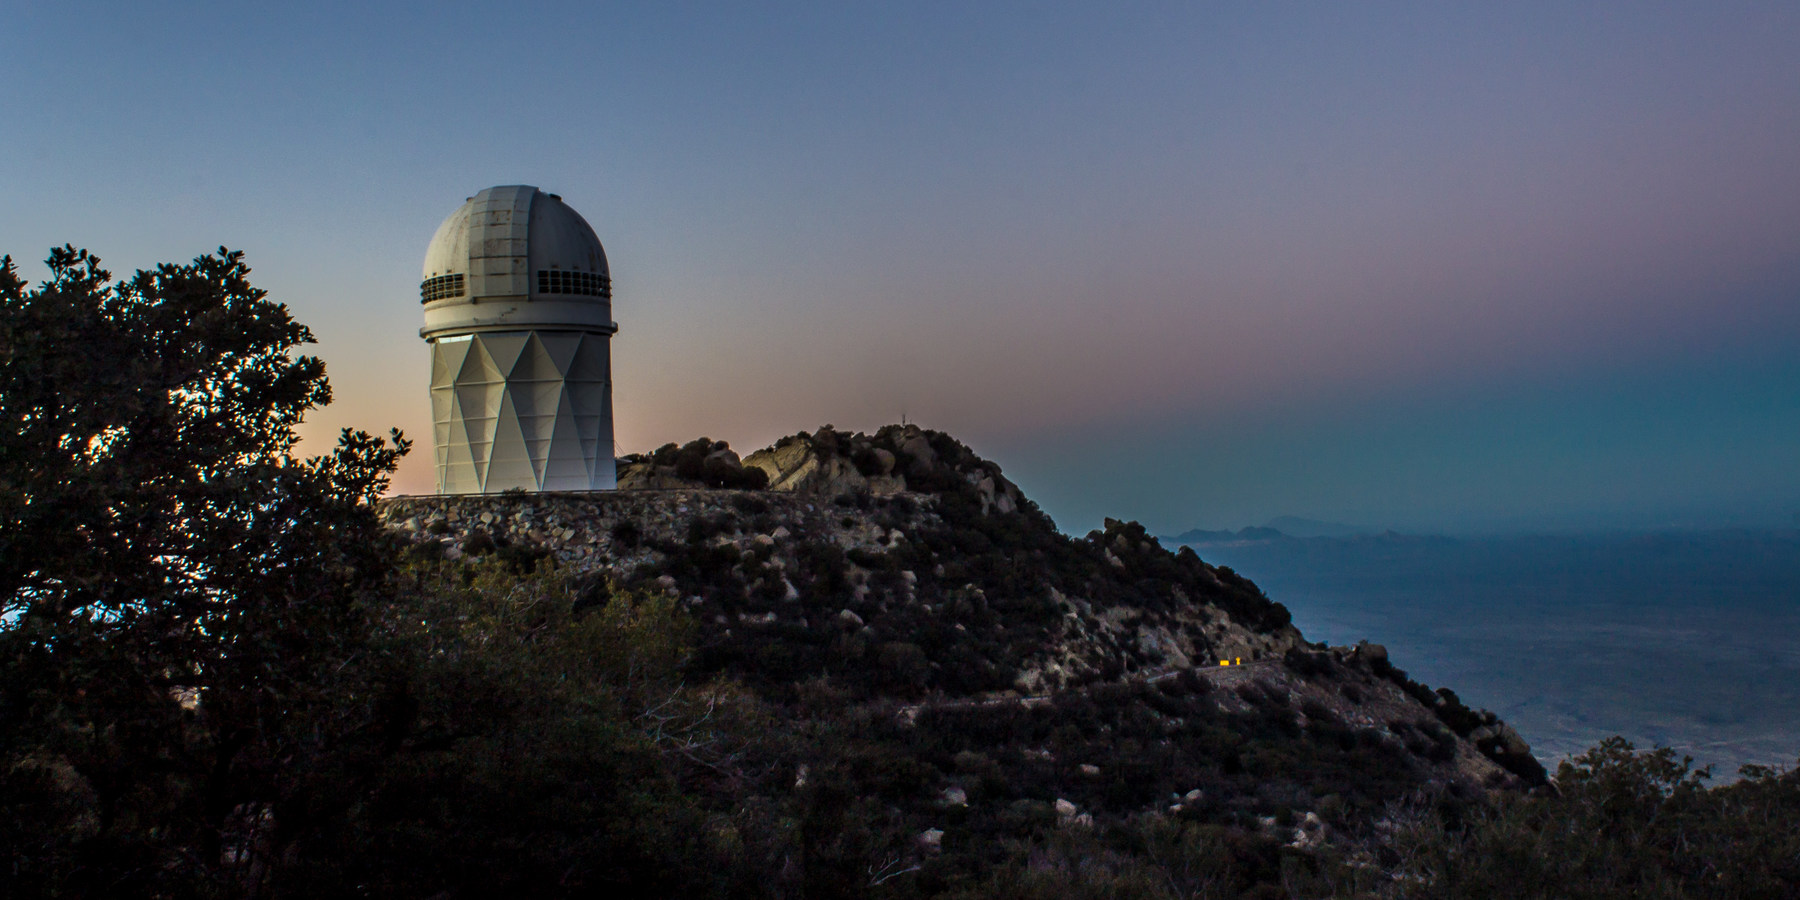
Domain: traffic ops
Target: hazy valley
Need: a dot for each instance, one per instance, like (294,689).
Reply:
(1678,639)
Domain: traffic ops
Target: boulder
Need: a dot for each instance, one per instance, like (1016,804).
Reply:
(919,448)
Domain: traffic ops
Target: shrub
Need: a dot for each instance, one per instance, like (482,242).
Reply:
(690,466)
(903,666)
(626,534)
(867,463)
(425,551)
(666,455)
(1317,711)
(1307,664)
(749,505)
(477,542)
(1452,712)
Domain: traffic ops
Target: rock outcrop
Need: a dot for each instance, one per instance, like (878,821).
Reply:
(698,464)
(828,463)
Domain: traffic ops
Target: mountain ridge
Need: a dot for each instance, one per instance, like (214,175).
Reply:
(901,568)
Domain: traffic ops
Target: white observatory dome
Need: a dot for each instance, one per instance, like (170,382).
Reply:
(518,313)
(514,257)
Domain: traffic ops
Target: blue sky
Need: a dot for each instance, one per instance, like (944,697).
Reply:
(1416,265)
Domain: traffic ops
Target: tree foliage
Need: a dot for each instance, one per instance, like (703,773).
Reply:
(534,748)
(178,593)
(1620,823)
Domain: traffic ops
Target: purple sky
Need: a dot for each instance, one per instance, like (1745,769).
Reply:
(1422,266)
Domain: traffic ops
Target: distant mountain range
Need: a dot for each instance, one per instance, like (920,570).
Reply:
(1278,527)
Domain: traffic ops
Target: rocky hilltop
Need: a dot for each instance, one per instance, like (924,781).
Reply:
(901,568)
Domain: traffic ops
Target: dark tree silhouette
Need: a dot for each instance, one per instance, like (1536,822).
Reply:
(177,591)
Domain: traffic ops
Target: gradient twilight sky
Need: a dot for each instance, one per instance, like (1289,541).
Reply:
(1428,266)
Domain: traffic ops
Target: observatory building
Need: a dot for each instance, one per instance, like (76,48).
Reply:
(518,312)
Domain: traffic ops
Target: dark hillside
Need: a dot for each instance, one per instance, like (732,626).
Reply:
(930,650)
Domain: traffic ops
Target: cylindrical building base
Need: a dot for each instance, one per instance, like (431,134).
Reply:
(530,410)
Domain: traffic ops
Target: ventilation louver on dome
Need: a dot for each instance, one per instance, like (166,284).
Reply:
(440,287)
(552,281)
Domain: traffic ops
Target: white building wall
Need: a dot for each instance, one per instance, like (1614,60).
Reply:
(522,409)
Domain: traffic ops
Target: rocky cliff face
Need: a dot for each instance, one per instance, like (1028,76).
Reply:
(901,567)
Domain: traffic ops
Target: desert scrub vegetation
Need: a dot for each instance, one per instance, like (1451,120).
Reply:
(1617,822)
(539,736)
